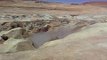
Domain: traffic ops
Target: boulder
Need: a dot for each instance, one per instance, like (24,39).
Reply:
(13,33)
(15,45)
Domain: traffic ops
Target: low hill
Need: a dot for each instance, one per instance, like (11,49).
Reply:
(96,3)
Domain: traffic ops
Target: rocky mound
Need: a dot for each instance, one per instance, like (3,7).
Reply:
(89,43)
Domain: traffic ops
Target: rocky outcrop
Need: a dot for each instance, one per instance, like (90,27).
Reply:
(89,43)
(20,30)
(93,17)
(46,30)
(15,45)
(32,25)
(14,41)
(59,32)
(13,33)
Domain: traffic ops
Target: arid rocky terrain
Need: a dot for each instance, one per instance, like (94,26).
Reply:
(36,30)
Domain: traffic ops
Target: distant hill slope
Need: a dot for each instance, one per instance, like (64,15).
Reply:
(44,7)
(96,3)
